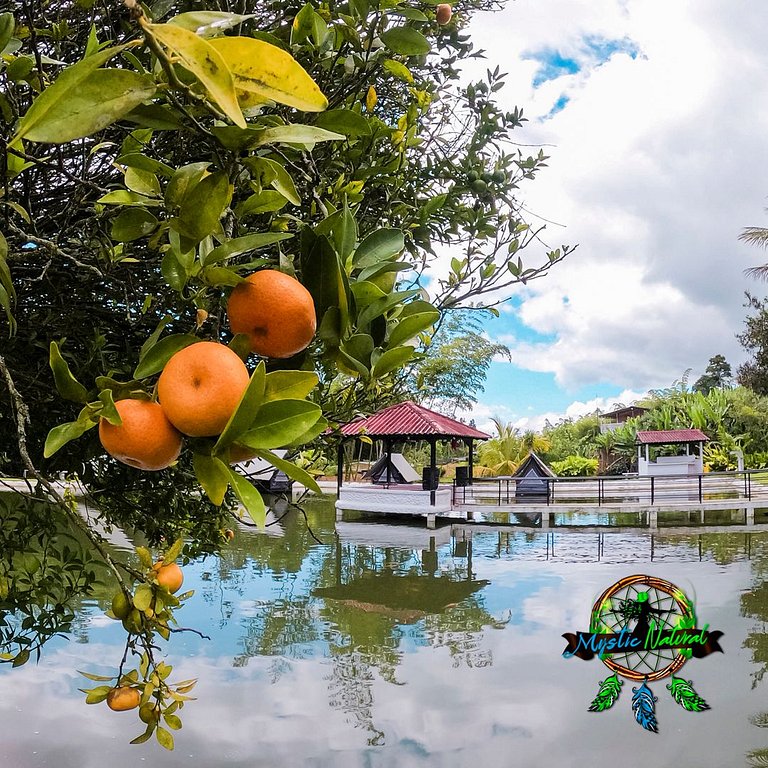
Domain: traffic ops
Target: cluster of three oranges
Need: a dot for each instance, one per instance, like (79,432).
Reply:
(202,384)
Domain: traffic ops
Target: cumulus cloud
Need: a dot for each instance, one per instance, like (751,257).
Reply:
(656,114)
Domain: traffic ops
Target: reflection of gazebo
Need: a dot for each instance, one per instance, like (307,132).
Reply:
(401,423)
(407,597)
(686,464)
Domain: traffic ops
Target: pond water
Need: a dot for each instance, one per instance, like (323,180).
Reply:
(387,645)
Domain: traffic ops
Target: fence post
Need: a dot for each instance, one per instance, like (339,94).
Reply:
(700,499)
(499,492)
(652,488)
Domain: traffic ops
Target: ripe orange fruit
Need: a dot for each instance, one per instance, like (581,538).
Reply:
(123,698)
(168,576)
(275,311)
(201,386)
(145,440)
(443,13)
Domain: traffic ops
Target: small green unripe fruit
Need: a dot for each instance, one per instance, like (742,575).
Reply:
(499,177)
(133,622)
(479,186)
(472,176)
(121,605)
(149,712)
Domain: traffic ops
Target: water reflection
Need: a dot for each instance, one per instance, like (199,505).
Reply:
(386,645)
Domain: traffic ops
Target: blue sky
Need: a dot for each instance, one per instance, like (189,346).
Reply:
(654,116)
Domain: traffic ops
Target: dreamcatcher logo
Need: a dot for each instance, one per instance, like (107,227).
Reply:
(644,629)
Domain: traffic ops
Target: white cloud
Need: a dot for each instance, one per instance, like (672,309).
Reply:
(482,412)
(658,162)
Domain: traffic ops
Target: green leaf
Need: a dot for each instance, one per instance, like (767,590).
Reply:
(213,476)
(142,598)
(249,497)
(246,409)
(314,431)
(98,694)
(65,87)
(183,180)
(66,384)
(59,436)
(267,201)
(154,116)
(204,205)
(406,41)
(359,346)
(172,721)
(296,134)
(324,278)
(344,121)
(96,678)
(295,473)
(159,354)
(399,70)
(174,551)
(146,736)
(239,245)
(221,276)
(279,422)
(208,23)
(7,25)
(164,738)
(144,163)
(270,72)
(133,224)
(379,269)
(143,182)
(289,385)
(173,271)
(145,557)
(124,197)
(108,410)
(365,292)
(380,306)
(391,360)
(205,63)
(282,181)
(416,317)
(381,245)
(101,98)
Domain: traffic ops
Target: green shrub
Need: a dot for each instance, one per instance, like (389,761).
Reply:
(575,466)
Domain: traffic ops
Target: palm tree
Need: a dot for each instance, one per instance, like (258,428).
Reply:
(756,236)
(503,454)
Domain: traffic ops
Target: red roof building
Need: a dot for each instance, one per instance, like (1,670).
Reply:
(671,436)
(409,420)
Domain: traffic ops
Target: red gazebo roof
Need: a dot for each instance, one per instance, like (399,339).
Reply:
(410,420)
(669,436)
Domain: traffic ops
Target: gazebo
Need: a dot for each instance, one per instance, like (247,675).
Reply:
(404,422)
(686,464)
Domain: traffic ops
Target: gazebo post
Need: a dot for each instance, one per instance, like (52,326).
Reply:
(432,468)
(339,467)
(470,461)
(388,445)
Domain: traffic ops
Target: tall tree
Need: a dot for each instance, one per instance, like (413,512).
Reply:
(717,375)
(753,374)
(452,372)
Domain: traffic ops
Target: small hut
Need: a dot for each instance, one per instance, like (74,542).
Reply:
(403,423)
(531,479)
(689,463)
(399,470)
(265,476)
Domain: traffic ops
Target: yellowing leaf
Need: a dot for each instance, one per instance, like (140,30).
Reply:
(205,63)
(371,98)
(270,72)
(74,105)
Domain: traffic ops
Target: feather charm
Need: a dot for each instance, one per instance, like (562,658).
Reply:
(683,693)
(610,688)
(643,706)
